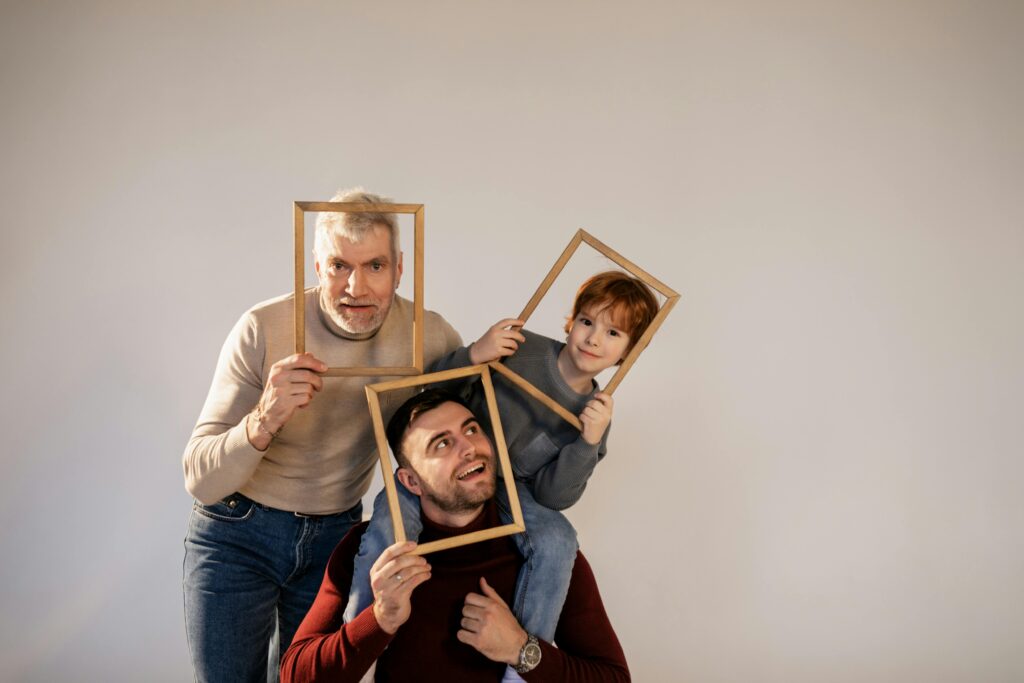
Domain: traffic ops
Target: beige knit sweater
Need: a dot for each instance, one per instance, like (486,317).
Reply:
(323,459)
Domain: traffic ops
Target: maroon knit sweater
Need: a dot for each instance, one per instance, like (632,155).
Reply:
(425,647)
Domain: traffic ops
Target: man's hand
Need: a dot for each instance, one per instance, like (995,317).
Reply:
(596,417)
(393,577)
(291,384)
(490,627)
(500,340)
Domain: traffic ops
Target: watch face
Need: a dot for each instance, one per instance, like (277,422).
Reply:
(531,655)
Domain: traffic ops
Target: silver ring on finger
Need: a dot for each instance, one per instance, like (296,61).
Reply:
(398,578)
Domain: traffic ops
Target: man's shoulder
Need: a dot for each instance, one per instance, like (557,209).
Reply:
(339,567)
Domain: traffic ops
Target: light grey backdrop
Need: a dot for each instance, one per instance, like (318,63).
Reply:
(815,470)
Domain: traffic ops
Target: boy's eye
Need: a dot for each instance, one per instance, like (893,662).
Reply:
(585,320)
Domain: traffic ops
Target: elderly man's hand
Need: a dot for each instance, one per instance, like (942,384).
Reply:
(490,627)
(393,578)
(291,384)
(501,339)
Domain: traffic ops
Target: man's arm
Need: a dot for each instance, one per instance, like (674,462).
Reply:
(587,651)
(228,443)
(323,647)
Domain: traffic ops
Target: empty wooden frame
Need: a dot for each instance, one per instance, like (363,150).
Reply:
(387,469)
(416,366)
(671,297)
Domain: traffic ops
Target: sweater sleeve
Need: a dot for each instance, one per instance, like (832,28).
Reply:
(561,483)
(588,649)
(219,459)
(325,649)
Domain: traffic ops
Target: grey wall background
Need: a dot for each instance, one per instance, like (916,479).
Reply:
(815,469)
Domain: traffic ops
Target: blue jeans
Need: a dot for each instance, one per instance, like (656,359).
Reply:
(548,548)
(251,574)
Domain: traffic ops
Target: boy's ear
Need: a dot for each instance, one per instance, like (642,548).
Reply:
(409,480)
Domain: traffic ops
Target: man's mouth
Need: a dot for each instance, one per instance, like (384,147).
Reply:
(356,307)
(471,471)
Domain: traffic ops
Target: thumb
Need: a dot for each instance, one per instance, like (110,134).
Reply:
(490,592)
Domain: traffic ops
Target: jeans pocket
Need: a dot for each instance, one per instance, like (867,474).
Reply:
(234,508)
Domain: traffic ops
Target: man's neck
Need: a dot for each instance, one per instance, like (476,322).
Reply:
(450,519)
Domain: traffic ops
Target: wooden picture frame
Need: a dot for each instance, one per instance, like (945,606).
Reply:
(300,209)
(671,297)
(387,469)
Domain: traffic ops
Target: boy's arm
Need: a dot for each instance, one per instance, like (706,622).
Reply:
(560,484)
(501,339)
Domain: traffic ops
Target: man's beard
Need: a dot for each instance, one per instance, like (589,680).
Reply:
(353,323)
(455,499)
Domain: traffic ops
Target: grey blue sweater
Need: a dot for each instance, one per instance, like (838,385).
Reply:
(548,454)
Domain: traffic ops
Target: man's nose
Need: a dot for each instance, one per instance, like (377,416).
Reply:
(356,283)
(464,447)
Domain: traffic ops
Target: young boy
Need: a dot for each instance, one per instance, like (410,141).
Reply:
(551,459)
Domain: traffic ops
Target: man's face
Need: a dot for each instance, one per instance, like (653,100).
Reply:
(453,462)
(358,280)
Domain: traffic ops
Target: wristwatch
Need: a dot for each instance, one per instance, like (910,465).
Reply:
(529,656)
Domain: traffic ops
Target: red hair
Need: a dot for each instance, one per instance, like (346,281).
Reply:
(629,302)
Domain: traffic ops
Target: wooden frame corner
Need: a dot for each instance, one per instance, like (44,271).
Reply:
(671,298)
(300,209)
(387,468)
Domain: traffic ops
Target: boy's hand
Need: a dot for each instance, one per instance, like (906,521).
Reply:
(596,416)
(500,340)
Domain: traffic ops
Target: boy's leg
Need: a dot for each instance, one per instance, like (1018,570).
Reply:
(378,536)
(549,551)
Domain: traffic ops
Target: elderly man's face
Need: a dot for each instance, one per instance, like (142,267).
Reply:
(453,462)
(358,280)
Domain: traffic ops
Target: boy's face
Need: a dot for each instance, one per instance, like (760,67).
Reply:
(595,342)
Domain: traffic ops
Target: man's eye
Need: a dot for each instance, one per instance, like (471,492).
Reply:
(442,443)
(472,429)
(376,267)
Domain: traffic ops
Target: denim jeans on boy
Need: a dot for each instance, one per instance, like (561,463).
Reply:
(251,571)
(548,548)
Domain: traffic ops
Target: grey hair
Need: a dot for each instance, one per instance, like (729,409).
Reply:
(354,226)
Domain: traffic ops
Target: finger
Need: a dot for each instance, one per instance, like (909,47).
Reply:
(471,625)
(477,600)
(510,323)
(473,612)
(490,592)
(391,552)
(410,580)
(303,360)
(402,565)
(467,637)
(300,376)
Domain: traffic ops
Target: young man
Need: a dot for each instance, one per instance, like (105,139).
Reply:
(280,457)
(448,619)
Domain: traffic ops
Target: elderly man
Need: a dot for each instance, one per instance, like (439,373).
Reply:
(281,457)
(448,619)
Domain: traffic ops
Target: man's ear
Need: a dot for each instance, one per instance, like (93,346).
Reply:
(316,264)
(409,480)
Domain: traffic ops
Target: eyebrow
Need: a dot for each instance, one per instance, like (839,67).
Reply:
(440,435)
(373,259)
